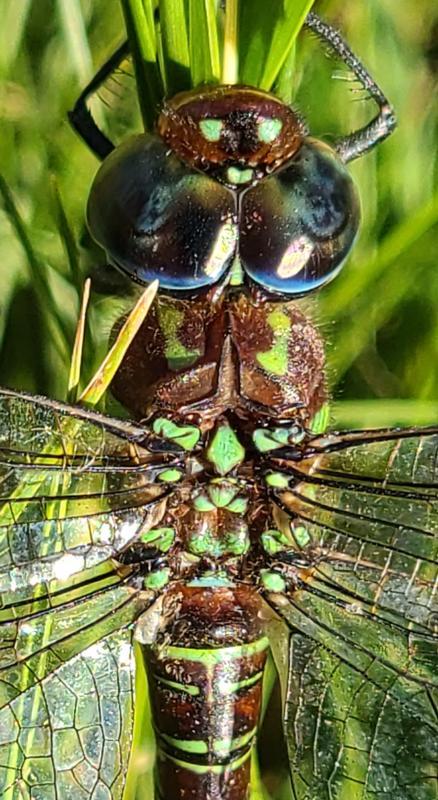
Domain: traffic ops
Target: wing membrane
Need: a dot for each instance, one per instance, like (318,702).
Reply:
(75,489)
(361,695)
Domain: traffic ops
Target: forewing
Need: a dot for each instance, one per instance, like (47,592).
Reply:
(361,691)
(75,490)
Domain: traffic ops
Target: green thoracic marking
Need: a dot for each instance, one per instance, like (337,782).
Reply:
(278,480)
(161,538)
(170,475)
(222,747)
(221,492)
(209,657)
(266,439)
(177,354)
(211,129)
(237,176)
(187,436)
(236,274)
(206,540)
(301,535)
(214,580)
(188,688)
(269,129)
(274,542)
(204,769)
(272,581)
(225,451)
(319,422)
(202,503)
(275,360)
(157,580)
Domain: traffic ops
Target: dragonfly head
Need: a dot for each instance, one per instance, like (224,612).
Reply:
(230,178)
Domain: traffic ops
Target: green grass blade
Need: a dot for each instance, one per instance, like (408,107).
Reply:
(175,39)
(140,27)
(230,67)
(267,34)
(75,35)
(390,413)
(100,382)
(37,271)
(67,237)
(14,19)
(398,241)
(205,63)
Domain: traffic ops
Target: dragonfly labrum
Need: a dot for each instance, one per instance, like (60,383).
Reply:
(223,521)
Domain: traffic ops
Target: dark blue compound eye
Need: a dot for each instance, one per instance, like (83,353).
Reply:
(157,218)
(297,226)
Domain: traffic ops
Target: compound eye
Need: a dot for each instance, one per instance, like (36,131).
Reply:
(156,218)
(298,226)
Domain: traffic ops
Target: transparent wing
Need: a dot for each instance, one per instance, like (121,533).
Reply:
(360,691)
(75,490)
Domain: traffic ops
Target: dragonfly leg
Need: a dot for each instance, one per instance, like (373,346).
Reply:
(364,139)
(81,117)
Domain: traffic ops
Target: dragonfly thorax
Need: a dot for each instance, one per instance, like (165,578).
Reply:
(259,362)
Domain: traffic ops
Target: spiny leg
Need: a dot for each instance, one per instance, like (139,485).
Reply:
(361,141)
(81,117)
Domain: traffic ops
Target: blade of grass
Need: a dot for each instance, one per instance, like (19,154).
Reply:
(230,66)
(175,40)
(266,37)
(75,35)
(104,375)
(383,413)
(37,270)
(140,27)
(14,19)
(204,44)
(399,240)
(76,360)
(67,237)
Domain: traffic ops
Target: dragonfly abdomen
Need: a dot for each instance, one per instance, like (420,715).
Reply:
(205,676)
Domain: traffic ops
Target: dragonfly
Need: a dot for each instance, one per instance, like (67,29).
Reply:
(227,522)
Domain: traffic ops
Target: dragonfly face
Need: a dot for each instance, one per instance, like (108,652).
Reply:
(228,521)
(231,177)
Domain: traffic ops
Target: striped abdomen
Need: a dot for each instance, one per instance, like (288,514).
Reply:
(205,676)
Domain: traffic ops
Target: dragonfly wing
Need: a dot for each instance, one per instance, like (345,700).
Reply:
(76,489)
(361,689)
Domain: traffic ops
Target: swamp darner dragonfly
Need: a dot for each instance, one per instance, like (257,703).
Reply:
(229,521)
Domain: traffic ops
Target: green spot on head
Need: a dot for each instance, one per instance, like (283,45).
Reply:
(301,535)
(211,129)
(275,360)
(177,354)
(321,420)
(269,129)
(225,451)
(170,475)
(277,480)
(274,542)
(272,581)
(186,436)
(161,538)
(238,176)
(157,580)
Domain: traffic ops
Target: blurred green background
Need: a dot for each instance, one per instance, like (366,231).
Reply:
(379,317)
